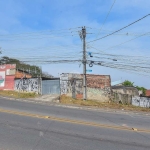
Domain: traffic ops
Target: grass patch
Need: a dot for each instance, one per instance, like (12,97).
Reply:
(15,94)
(68,100)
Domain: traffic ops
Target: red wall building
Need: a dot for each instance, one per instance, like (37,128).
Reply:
(7,75)
(147,92)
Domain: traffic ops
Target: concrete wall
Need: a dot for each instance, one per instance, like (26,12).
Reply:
(125,90)
(141,101)
(71,85)
(27,85)
(98,86)
(122,98)
(102,95)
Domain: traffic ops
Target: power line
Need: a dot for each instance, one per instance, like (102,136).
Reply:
(121,33)
(107,16)
(104,53)
(130,71)
(27,38)
(119,29)
(57,30)
(127,41)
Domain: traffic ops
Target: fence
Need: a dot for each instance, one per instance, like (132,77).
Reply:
(27,85)
(50,86)
(37,85)
(99,94)
(141,101)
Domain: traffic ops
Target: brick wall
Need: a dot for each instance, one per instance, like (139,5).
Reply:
(147,92)
(98,81)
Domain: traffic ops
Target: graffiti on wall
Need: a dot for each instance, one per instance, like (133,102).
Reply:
(141,101)
(71,83)
(27,85)
(64,83)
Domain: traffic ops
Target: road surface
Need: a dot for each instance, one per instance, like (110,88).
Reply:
(30,126)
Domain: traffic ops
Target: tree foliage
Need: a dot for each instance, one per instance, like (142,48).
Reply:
(128,83)
(32,69)
(142,89)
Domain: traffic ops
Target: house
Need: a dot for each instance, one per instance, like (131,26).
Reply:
(130,90)
(72,84)
(20,73)
(147,92)
(8,74)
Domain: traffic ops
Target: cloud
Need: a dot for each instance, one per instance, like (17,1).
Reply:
(38,15)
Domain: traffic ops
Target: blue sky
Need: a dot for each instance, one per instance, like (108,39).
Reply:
(31,29)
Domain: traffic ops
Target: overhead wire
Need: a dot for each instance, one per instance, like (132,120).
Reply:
(126,41)
(119,29)
(104,53)
(39,32)
(127,33)
(129,71)
(106,17)
(29,38)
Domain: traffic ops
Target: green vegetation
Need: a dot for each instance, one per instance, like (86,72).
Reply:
(91,103)
(129,83)
(15,94)
(142,89)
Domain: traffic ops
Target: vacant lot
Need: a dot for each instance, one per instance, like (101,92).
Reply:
(15,94)
(92,103)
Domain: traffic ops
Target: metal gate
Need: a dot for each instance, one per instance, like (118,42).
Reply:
(50,87)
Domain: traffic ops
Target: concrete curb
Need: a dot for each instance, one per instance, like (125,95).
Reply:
(117,111)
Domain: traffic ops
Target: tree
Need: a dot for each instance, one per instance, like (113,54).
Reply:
(142,89)
(128,83)
(32,69)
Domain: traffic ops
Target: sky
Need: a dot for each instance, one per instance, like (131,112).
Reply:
(43,30)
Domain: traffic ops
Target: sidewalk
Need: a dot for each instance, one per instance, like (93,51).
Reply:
(44,100)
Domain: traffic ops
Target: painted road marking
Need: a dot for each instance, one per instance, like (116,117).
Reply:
(73,121)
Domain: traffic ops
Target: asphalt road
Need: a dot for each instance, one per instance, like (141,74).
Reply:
(24,132)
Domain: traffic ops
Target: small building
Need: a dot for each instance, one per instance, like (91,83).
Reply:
(130,90)
(97,85)
(8,74)
(20,73)
(148,93)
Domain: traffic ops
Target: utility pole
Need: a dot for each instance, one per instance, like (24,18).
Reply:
(84,63)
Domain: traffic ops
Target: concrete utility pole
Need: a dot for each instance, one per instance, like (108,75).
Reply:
(84,63)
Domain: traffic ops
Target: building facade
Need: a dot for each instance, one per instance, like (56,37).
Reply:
(148,93)
(8,74)
(98,86)
(130,90)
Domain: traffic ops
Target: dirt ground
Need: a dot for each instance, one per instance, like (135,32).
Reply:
(15,94)
(68,100)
